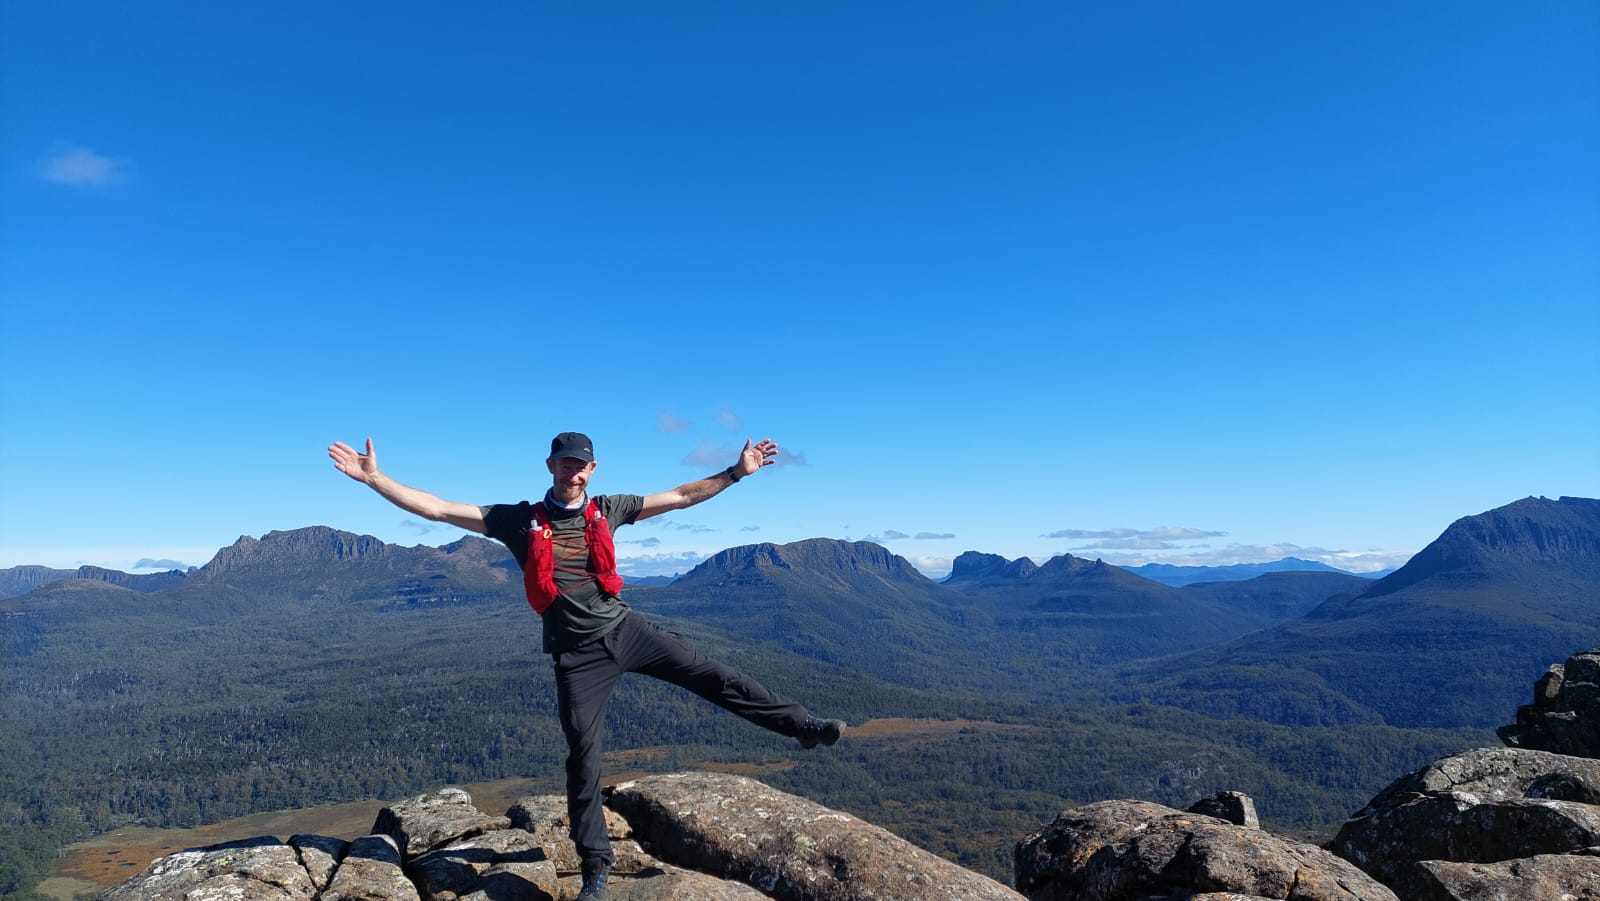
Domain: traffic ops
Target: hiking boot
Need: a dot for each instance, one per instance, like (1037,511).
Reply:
(594,882)
(819,732)
(594,887)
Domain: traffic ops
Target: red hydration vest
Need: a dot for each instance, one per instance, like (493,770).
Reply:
(539,575)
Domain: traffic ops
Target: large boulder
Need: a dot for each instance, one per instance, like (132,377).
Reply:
(789,848)
(1565,714)
(1235,807)
(1487,806)
(510,861)
(261,869)
(545,818)
(1547,877)
(420,824)
(1129,850)
(371,871)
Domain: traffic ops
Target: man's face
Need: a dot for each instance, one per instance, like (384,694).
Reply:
(569,473)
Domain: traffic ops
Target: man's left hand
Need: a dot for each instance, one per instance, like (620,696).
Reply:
(756,455)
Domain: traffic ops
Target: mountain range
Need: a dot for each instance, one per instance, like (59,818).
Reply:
(1491,597)
(1178,576)
(1498,594)
(314,664)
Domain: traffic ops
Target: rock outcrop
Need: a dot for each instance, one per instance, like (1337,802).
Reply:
(1435,827)
(709,838)
(1511,824)
(1564,717)
(1132,850)
(788,847)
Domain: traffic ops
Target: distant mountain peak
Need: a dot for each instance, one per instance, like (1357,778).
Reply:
(821,554)
(973,566)
(1532,532)
(1179,576)
(291,548)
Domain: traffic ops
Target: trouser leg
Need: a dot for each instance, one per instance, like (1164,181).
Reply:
(643,647)
(585,677)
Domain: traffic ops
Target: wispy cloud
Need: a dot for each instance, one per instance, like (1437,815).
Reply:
(642,542)
(932,567)
(672,424)
(1160,533)
(750,529)
(788,456)
(1184,546)
(163,565)
(659,564)
(1350,561)
(897,535)
(421,528)
(681,526)
(711,454)
(730,420)
(80,167)
(1130,543)
(708,453)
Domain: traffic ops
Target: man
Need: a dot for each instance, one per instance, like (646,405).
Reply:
(564,546)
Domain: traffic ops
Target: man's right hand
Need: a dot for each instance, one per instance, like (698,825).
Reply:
(364,469)
(358,466)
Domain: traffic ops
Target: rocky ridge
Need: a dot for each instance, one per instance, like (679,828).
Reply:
(1515,823)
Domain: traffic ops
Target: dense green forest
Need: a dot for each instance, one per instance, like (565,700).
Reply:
(160,715)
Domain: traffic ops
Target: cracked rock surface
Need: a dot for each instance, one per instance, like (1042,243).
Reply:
(1128,850)
(710,838)
(1429,832)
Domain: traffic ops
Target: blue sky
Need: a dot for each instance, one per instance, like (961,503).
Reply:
(1158,281)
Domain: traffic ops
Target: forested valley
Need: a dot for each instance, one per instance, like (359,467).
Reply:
(149,719)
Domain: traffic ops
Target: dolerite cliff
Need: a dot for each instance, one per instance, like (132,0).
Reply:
(1511,824)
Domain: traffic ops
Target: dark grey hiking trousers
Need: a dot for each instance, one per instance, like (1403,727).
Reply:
(585,677)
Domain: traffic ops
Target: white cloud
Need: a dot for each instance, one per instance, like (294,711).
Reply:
(710,454)
(1160,533)
(888,535)
(659,564)
(730,421)
(671,424)
(1129,543)
(675,526)
(933,536)
(788,457)
(1350,561)
(80,167)
(161,565)
(933,567)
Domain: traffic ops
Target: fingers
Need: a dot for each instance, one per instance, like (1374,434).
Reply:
(768,449)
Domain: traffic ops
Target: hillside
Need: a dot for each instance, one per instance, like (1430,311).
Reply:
(19,580)
(1497,594)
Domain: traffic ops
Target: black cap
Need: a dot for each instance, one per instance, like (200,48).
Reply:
(572,444)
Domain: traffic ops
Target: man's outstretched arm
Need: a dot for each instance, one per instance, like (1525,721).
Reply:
(751,459)
(364,468)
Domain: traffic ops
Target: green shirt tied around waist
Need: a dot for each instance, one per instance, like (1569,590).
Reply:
(581,612)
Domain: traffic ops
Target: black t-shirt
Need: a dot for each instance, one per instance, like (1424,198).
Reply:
(581,611)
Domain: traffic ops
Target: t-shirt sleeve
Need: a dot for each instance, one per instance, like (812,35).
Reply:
(508,524)
(622,509)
